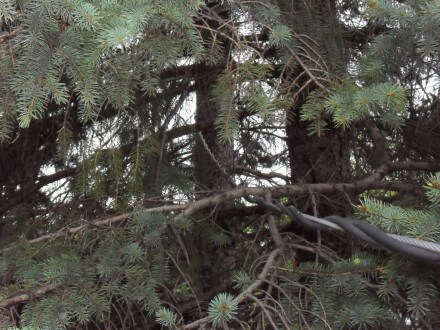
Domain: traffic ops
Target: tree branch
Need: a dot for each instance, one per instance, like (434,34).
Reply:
(246,293)
(370,182)
(22,298)
(373,181)
(270,175)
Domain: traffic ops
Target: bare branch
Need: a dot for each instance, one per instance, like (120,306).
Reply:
(22,298)
(246,293)
(270,175)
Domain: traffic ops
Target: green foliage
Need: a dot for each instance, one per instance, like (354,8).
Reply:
(242,280)
(350,103)
(433,187)
(421,295)
(224,93)
(64,139)
(222,309)
(166,318)
(60,39)
(281,35)
(386,11)
(423,224)
(7,11)
(106,90)
(313,111)
(339,293)
(6,120)
(243,86)
(120,261)
(401,277)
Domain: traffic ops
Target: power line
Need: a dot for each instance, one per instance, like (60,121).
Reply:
(411,247)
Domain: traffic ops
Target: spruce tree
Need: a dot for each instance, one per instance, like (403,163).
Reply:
(137,135)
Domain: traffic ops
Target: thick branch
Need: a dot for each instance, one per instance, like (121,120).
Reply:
(371,182)
(430,166)
(180,131)
(22,298)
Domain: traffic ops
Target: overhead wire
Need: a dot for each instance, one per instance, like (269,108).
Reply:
(408,246)
(411,247)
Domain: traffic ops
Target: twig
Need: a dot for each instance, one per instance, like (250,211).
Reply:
(269,175)
(246,293)
(306,69)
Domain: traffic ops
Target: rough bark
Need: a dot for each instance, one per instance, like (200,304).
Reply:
(209,158)
(319,159)
(207,173)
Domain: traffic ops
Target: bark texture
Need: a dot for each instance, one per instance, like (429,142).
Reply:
(319,159)
(207,173)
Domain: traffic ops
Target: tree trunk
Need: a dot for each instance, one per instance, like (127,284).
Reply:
(209,154)
(319,159)
(209,158)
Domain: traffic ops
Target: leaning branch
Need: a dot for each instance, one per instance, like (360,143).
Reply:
(8,36)
(106,222)
(373,181)
(22,298)
(306,69)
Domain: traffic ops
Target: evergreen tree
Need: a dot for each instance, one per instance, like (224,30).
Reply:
(132,133)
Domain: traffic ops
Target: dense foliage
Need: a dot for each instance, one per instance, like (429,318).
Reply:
(131,130)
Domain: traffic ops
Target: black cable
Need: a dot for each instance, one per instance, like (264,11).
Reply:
(395,245)
(349,227)
(359,229)
(294,214)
